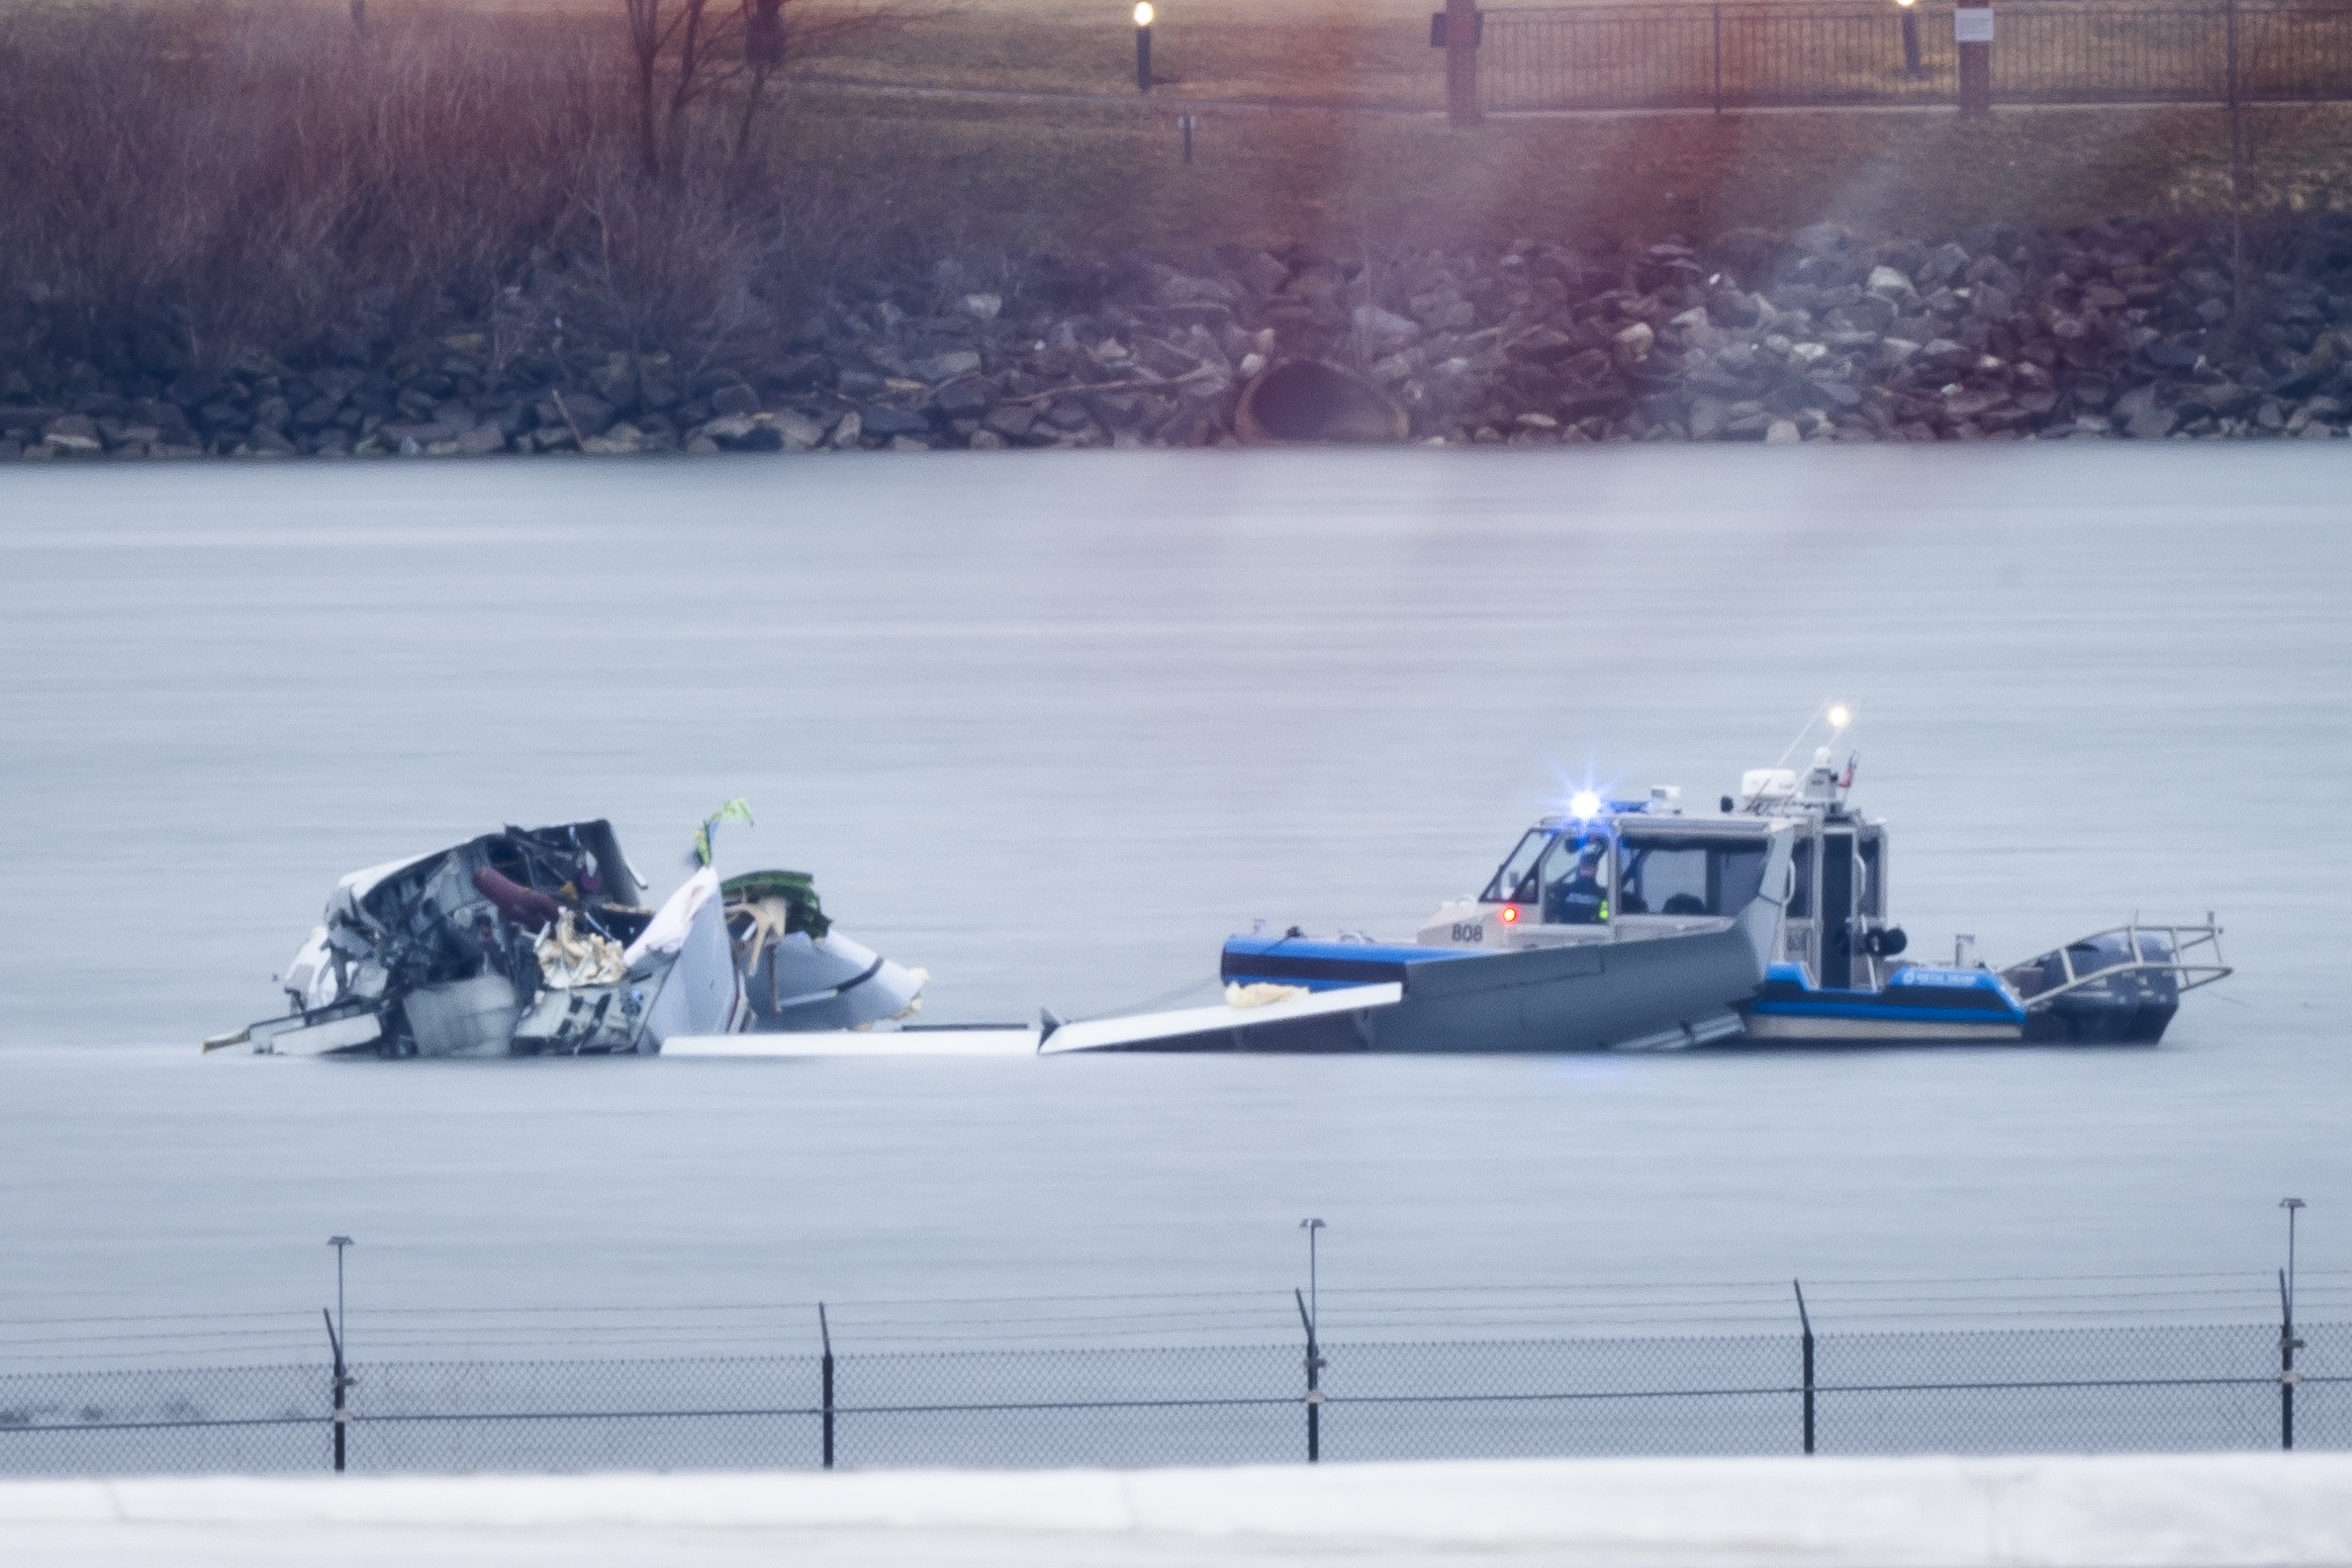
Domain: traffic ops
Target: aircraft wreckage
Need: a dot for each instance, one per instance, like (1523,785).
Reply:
(1624,925)
(536,941)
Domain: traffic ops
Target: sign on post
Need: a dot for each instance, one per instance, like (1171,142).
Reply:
(1972,32)
(1463,23)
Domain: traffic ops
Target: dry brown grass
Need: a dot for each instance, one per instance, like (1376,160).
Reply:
(188,182)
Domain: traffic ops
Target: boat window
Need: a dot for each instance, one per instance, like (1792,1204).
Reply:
(1515,881)
(1689,877)
(1739,877)
(1576,879)
(1872,894)
(1800,906)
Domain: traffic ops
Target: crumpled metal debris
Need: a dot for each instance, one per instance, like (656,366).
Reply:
(534,941)
(569,958)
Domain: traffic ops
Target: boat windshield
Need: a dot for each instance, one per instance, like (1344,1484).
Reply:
(1515,881)
(1689,877)
(1576,878)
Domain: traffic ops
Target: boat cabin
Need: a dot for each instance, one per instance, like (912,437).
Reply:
(1618,871)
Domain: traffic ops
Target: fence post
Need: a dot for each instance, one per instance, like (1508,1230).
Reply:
(1461,62)
(1718,59)
(2237,222)
(341,1387)
(2287,1346)
(1805,1323)
(826,1332)
(1972,37)
(1314,1383)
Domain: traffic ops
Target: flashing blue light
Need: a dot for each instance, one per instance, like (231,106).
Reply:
(1584,806)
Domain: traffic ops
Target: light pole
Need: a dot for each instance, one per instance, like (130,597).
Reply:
(2290,1205)
(1143,46)
(338,1242)
(1312,1311)
(2287,1343)
(1911,38)
(344,1379)
(1314,1303)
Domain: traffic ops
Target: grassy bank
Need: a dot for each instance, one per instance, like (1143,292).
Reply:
(188,182)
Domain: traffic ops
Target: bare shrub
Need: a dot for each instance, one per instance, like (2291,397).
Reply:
(192,181)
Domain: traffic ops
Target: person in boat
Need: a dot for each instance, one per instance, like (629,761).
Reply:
(1580,899)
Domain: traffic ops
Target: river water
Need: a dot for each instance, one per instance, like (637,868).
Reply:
(1050,726)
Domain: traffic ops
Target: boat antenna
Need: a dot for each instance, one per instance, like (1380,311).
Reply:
(1840,717)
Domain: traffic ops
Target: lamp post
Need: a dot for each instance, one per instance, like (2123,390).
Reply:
(341,1386)
(1911,38)
(339,1243)
(2290,1205)
(1312,1311)
(1143,46)
(2287,1343)
(1314,1300)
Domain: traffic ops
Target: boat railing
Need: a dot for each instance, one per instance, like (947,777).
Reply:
(2190,954)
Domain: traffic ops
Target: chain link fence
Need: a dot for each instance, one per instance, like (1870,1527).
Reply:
(1697,55)
(2074,1390)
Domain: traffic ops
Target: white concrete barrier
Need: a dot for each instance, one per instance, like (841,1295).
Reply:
(2209,1510)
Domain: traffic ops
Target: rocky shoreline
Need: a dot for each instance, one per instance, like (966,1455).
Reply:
(2118,330)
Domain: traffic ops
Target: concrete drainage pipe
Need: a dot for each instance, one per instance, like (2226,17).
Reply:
(1306,399)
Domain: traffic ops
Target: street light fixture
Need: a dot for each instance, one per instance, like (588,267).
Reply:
(1143,46)
(1911,38)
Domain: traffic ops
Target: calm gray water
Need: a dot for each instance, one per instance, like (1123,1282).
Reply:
(1050,726)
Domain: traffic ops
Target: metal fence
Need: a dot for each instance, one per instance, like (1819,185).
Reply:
(1768,55)
(2073,1390)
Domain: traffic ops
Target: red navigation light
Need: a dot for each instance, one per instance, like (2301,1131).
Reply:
(1510,914)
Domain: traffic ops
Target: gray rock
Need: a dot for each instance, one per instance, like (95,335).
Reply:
(967,398)
(2150,425)
(1011,419)
(730,428)
(798,431)
(1887,281)
(735,398)
(618,440)
(482,440)
(884,419)
(947,366)
(1821,240)
(1260,273)
(71,433)
(1782,432)
(1372,320)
